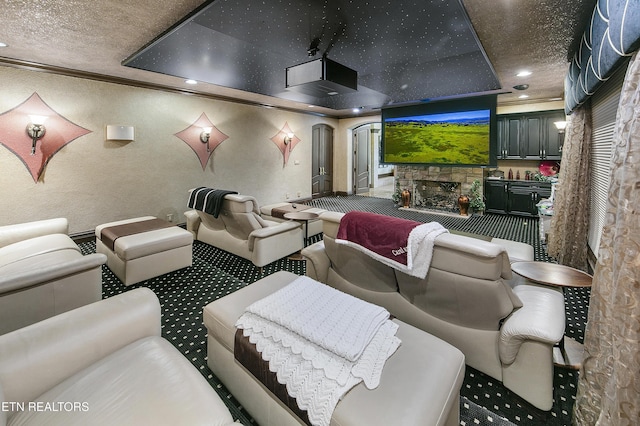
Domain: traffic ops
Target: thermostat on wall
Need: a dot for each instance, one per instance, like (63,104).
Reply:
(120,133)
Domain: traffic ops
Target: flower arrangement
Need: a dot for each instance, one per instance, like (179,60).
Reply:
(397,194)
(476,199)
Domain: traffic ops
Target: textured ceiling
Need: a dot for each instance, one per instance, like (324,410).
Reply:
(92,39)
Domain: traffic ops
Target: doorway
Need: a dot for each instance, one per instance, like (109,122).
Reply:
(321,161)
(361,163)
(369,176)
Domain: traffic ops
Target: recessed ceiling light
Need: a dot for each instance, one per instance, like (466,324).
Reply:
(523,96)
(191,81)
(357,110)
(521,86)
(523,73)
(332,93)
(311,106)
(3,44)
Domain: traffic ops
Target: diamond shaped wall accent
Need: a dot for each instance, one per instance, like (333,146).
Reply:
(278,139)
(13,134)
(191,136)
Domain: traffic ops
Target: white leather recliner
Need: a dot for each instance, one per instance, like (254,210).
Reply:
(43,273)
(505,329)
(103,363)
(239,229)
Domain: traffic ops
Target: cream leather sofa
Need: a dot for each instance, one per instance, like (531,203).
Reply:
(239,229)
(43,273)
(103,364)
(420,383)
(466,299)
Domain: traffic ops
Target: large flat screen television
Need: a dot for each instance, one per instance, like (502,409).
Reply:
(457,132)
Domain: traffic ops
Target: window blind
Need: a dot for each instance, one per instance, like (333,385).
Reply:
(604,107)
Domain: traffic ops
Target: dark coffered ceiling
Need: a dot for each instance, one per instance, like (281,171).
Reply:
(403,51)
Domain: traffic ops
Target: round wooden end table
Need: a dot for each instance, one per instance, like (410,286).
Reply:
(569,352)
(303,217)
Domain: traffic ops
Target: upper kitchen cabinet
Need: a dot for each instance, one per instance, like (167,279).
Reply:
(530,136)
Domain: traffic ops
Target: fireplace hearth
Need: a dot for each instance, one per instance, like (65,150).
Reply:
(436,195)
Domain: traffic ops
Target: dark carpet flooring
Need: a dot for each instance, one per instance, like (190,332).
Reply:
(216,273)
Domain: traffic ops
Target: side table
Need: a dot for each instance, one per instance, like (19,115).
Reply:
(570,352)
(303,217)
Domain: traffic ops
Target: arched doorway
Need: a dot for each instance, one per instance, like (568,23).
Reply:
(368,173)
(321,161)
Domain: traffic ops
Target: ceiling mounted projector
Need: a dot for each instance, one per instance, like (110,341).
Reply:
(321,78)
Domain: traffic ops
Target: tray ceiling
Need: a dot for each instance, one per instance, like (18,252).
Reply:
(403,51)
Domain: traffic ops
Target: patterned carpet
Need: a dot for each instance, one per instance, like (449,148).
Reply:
(216,273)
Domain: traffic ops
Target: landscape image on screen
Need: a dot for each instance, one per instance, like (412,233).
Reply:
(445,138)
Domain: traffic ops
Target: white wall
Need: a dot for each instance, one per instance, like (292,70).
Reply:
(92,181)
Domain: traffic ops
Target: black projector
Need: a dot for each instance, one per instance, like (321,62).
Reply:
(321,78)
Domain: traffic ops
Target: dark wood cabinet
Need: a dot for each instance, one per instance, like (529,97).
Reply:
(509,136)
(518,197)
(524,195)
(496,196)
(532,136)
(552,139)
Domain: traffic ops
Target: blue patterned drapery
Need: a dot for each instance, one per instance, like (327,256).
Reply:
(613,34)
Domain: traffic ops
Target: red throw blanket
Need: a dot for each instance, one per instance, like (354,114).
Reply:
(400,243)
(384,235)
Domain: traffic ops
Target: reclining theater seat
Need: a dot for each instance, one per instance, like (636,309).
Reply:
(239,229)
(466,299)
(43,273)
(103,363)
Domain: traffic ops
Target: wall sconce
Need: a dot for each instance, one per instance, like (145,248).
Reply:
(560,125)
(287,138)
(36,130)
(205,135)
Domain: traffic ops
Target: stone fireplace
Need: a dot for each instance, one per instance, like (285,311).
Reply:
(435,195)
(437,188)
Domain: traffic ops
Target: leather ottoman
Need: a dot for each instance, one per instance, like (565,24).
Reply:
(141,256)
(420,383)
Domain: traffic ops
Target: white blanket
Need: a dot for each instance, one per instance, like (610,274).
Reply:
(419,249)
(298,330)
